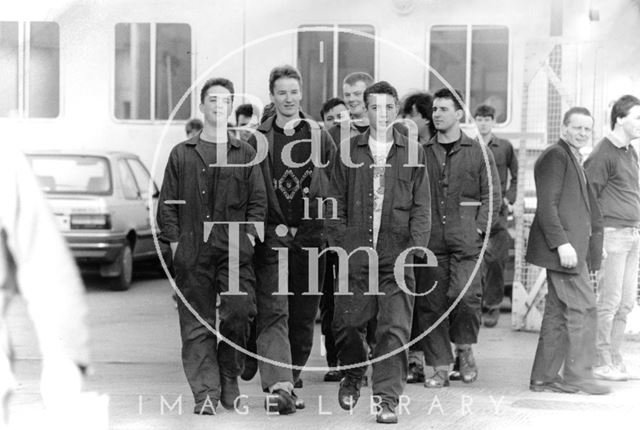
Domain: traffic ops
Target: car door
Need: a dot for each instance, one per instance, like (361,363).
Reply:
(145,185)
(134,211)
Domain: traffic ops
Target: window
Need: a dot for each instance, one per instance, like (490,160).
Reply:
(72,174)
(129,187)
(30,64)
(326,57)
(142,177)
(475,60)
(152,70)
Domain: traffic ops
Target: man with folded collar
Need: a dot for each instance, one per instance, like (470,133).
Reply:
(296,178)
(461,202)
(383,208)
(212,190)
(566,239)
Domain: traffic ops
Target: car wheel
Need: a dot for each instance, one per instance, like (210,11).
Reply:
(122,282)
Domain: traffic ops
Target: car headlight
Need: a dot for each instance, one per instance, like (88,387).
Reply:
(90,221)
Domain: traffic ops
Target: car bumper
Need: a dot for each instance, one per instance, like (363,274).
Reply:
(95,247)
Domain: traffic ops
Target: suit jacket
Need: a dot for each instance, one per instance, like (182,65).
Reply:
(567,211)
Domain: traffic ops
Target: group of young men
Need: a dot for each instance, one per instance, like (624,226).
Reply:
(380,222)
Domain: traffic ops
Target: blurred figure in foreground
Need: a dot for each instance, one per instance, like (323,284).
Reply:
(35,262)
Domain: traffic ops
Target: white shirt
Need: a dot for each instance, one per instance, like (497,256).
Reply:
(379,150)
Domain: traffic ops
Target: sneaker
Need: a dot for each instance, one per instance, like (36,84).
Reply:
(491,317)
(609,373)
(280,402)
(468,368)
(333,376)
(349,392)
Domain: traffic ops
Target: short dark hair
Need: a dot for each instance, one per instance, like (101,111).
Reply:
(622,106)
(485,111)
(285,71)
(423,103)
(245,109)
(330,104)
(382,87)
(193,124)
(354,77)
(223,82)
(446,93)
(576,110)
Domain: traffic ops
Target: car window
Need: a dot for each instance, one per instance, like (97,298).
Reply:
(72,174)
(129,187)
(141,176)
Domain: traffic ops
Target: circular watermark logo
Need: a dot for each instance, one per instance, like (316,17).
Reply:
(210,72)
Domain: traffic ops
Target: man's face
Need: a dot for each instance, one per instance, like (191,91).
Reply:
(332,115)
(631,123)
(353,96)
(216,105)
(578,131)
(286,97)
(445,115)
(382,111)
(485,124)
(243,121)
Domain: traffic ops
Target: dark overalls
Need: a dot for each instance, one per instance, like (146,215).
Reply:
(201,264)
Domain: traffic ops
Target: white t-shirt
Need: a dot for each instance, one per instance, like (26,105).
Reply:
(379,150)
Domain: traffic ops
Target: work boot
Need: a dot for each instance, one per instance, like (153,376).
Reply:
(250,368)
(439,379)
(349,392)
(230,391)
(333,376)
(415,374)
(386,414)
(280,402)
(468,368)
(297,401)
(491,317)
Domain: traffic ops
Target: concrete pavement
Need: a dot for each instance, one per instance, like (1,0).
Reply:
(136,353)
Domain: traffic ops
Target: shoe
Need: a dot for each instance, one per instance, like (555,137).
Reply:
(280,402)
(386,414)
(491,318)
(333,376)
(349,392)
(297,401)
(297,383)
(415,374)
(438,380)
(207,407)
(454,375)
(590,387)
(557,386)
(230,391)
(609,373)
(468,368)
(250,368)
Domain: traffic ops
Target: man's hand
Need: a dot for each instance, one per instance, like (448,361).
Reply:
(568,256)
(174,246)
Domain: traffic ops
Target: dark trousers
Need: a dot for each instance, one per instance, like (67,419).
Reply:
(327,311)
(203,358)
(568,331)
(446,282)
(285,323)
(392,311)
(495,257)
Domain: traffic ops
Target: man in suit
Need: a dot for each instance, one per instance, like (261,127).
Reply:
(566,239)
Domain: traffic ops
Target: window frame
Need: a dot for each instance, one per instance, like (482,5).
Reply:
(469,40)
(152,76)
(337,86)
(24,65)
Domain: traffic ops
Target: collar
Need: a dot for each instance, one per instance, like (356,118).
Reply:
(398,138)
(267,125)
(616,142)
(464,140)
(193,141)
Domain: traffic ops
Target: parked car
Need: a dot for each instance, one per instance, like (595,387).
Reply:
(101,203)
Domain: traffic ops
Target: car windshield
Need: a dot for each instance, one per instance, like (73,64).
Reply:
(72,174)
